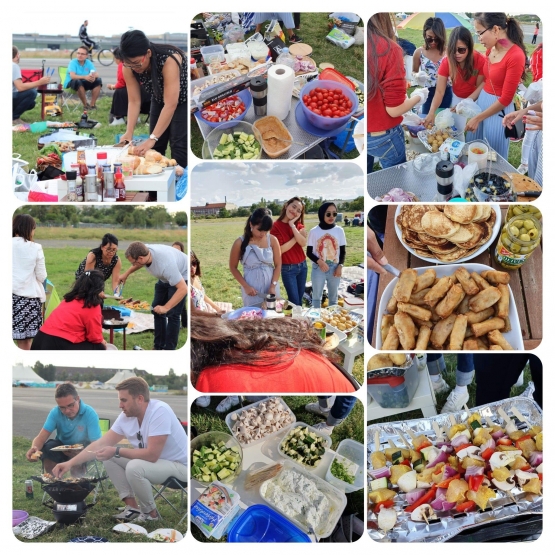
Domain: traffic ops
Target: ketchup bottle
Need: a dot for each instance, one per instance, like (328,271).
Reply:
(119,185)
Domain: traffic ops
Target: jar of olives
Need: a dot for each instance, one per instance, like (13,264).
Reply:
(521,234)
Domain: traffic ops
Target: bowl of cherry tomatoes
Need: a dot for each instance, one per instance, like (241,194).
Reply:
(328,105)
(232,108)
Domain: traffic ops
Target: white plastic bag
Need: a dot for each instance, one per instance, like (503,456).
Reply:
(534,93)
(340,38)
(467,108)
(410,118)
(444,119)
(462,176)
(21,180)
(422,93)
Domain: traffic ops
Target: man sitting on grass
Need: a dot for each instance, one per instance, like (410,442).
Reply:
(74,423)
(159,450)
(81,77)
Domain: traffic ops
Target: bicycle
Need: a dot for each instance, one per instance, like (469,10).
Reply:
(104,56)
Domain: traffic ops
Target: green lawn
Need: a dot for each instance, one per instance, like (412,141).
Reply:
(313,31)
(98,521)
(207,419)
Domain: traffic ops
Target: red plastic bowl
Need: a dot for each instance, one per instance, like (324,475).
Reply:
(18,517)
(322,122)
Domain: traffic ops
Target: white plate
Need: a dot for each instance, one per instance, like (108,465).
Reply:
(514,337)
(65,448)
(167,533)
(360,128)
(129,528)
(494,232)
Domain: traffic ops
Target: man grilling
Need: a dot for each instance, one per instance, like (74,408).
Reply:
(159,450)
(75,423)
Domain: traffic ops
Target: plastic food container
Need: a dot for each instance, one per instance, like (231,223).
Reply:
(213,140)
(336,498)
(394,392)
(215,437)
(213,53)
(245,96)
(326,438)
(235,314)
(331,74)
(353,451)
(273,125)
(229,422)
(18,517)
(261,524)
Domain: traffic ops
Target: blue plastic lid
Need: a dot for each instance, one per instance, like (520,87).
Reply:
(261,524)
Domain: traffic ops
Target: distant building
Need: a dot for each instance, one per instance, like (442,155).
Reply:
(212,209)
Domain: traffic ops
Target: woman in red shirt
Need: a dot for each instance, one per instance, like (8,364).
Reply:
(262,356)
(465,67)
(503,71)
(290,232)
(386,94)
(76,323)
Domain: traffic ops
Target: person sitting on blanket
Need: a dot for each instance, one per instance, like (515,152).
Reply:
(76,323)
(160,449)
(74,423)
(199,299)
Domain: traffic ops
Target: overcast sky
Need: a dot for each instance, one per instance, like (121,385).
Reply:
(244,184)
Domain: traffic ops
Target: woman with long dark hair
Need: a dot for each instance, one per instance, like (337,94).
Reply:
(503,71)
(28,275)
(464,67)
(76,323)
(255,356)
(291,234)
(199,299)
(386,94)
(427,59)
(259,253)
(162,70)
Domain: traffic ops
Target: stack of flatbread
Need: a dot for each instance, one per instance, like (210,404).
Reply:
(446,232)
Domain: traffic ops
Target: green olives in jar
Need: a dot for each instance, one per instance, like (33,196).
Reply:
(519,237)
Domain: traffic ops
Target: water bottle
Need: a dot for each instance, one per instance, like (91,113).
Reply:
(286,59)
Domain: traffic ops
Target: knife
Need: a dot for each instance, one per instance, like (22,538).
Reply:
(529,194)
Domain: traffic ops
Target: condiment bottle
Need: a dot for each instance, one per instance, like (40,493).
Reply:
(445,172)
(194,69)
(70,178)
(101,159)
(109,191)
(119,185)
(83,171)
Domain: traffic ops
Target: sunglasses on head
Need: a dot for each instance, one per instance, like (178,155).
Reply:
(461,50)
(331,214)
(432,39)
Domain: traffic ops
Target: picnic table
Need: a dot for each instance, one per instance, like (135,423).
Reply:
(423,185)
(45,91)
(526,282)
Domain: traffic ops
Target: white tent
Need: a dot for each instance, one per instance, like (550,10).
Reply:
(25,374)
(120,376)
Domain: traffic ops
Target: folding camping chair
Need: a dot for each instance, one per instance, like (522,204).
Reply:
(96,467)
(173,483)
(30,75)
(70,100)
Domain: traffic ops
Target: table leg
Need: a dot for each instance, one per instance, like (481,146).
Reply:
(112,336)
(42,106)
(349,362)
(124,345)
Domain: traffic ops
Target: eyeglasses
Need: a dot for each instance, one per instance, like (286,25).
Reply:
(81,53)
(135,64)
(482,32)
(461,50)
(112,250)
(140,438)
(69,407)
(331,214)
(432,39)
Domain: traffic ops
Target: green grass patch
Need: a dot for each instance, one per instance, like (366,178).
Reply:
(207,419)
(94,234)
(98,521)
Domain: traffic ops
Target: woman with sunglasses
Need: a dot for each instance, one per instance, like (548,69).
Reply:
(386,94)
(291,234)
(105,259)
(427,59)
(503,71)
(259,253)
(464,66)
(326,248)
(162,70)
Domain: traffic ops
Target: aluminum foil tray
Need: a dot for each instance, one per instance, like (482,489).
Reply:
(449,525)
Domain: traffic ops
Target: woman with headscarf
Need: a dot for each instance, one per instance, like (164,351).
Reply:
(326,248)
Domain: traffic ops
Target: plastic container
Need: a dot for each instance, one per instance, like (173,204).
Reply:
(261,524)
(244,95)
(229,422)
(331,74)
(18,517)
(286,59)
(321,122)
(213,53)
(213,79)
(275,125)
(326,438)
(213,138)
(354,452)
(394,392)
(39,126)
(215,437)
(478,153)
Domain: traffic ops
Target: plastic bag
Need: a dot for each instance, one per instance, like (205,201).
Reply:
(534,93)
(444,119)
(410,118)
(233,33)
(21,180)
(467,108)
(340,38)
(462,176)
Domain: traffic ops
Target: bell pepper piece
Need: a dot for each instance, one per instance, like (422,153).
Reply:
(474,482)
(445,483)
(388,503)
(426,498)
(465,506)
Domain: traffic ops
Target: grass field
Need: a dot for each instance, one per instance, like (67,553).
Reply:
(98,521)
(313,31)
(207,419)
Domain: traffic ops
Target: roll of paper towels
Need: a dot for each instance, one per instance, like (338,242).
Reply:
(280,89)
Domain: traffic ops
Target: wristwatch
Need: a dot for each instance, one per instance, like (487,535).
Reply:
(117,455)
(153,137)
(274,283)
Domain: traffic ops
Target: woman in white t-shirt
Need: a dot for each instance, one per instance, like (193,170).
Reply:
(326,248)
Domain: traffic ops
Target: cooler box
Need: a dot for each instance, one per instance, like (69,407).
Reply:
(394,392)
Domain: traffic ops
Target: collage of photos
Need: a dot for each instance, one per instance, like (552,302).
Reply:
(196,183)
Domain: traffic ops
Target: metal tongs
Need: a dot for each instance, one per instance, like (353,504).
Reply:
(388,267)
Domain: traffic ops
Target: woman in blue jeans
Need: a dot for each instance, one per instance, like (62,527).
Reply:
(333,408)
(326,248)
(290,232)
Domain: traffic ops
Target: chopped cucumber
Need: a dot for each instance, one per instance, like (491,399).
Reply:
(215,462)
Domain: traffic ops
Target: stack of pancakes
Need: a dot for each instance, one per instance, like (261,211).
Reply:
(446,232)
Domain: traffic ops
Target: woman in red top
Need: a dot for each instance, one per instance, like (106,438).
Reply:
(76,323)
(503,71)
(386,95)
(262,356)
(465,67)
(290,232)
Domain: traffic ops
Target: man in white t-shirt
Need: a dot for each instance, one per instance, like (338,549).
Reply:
(171,267)
(160,449)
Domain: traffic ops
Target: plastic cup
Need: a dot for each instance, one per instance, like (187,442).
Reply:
(127,166)
(478,153)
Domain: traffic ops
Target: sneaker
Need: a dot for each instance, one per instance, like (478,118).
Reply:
(441,386)
(128,514)
(203,401)
(324,428)
(522,169)
(295,38)
(455,402)
(227,403)
(520,381)
(145,517)
(315,408)
(118,121)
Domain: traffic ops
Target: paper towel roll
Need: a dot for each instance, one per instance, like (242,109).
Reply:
(280,89)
